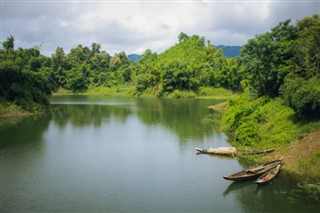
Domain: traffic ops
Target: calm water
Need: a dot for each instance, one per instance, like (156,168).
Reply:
(102,154)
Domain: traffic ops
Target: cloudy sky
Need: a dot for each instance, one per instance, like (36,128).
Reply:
(134,26)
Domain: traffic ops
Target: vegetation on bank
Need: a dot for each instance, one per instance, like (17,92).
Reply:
(281,82)
(281,102)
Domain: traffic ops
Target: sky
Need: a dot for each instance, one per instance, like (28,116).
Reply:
(136,25)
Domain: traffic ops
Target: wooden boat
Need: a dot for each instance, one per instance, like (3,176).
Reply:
(266,177)
(232,151)
(252,152)
(254,171)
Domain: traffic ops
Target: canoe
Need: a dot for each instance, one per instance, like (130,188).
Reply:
(266,177)
(232,151)
(254,171)
(252,152)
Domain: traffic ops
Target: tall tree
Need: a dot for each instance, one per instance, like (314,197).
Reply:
(308,47)
(264,58)
(8,45)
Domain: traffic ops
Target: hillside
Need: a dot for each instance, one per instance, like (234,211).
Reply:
(229,51)
(134,57)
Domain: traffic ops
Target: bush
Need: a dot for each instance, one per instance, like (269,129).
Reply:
(216,92)
(239,108)
(259,123)
(303,96)
(247,134)
(182,94)
(276,125)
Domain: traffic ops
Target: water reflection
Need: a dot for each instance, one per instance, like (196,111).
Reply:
(23,130)
(275,196)
(182,117)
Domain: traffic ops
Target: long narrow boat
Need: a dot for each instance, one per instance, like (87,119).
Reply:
(250,152)
(266,177)
(232,151)
(254,171)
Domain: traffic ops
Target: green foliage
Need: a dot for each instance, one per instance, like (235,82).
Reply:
(259,123)
(24,80)
(303,96)
(308,46)
(247,133)
(310,190)
(10,109)
(265,56)
(182,94)
(275,123)
(8,45)
(186,66)
(215,92)
(305,128)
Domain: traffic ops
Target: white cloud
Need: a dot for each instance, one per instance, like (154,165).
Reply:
(135,26)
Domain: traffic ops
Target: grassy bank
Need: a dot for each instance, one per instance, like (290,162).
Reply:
(269,123)
(9,110)
(127,90)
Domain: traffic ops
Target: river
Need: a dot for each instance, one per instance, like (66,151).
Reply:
(112,154)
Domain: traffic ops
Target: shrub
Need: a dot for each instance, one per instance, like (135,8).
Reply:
(212,91)
(247,134)
(276,125)
(303,96)
(259,123)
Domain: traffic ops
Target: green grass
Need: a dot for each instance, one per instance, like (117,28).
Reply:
(11,110)
(215,93)
(260,123)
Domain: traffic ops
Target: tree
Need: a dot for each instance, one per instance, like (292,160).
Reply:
(95,48)
(264,58)
(118,60)
(308,47)
(8,45)
(302,95)
(182,36)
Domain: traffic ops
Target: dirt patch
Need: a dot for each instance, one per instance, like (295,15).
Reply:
(219,107)
(303,148)
(297,157)
(15,115)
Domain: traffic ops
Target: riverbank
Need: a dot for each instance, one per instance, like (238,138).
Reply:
(129,91)
(302,162)
(301,158)
(301,154)
(10,110)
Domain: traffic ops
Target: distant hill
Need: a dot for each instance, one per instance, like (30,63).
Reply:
(134,57)
(229,51)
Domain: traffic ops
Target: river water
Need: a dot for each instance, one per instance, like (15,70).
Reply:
(107,154)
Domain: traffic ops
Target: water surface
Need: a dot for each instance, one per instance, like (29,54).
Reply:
(104,154)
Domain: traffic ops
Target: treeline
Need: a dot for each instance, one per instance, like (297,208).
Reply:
(190,68)
(270,65)
(190,65)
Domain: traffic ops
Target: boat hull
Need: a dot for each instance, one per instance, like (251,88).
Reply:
(253,172)
(240,152)
(268,176)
